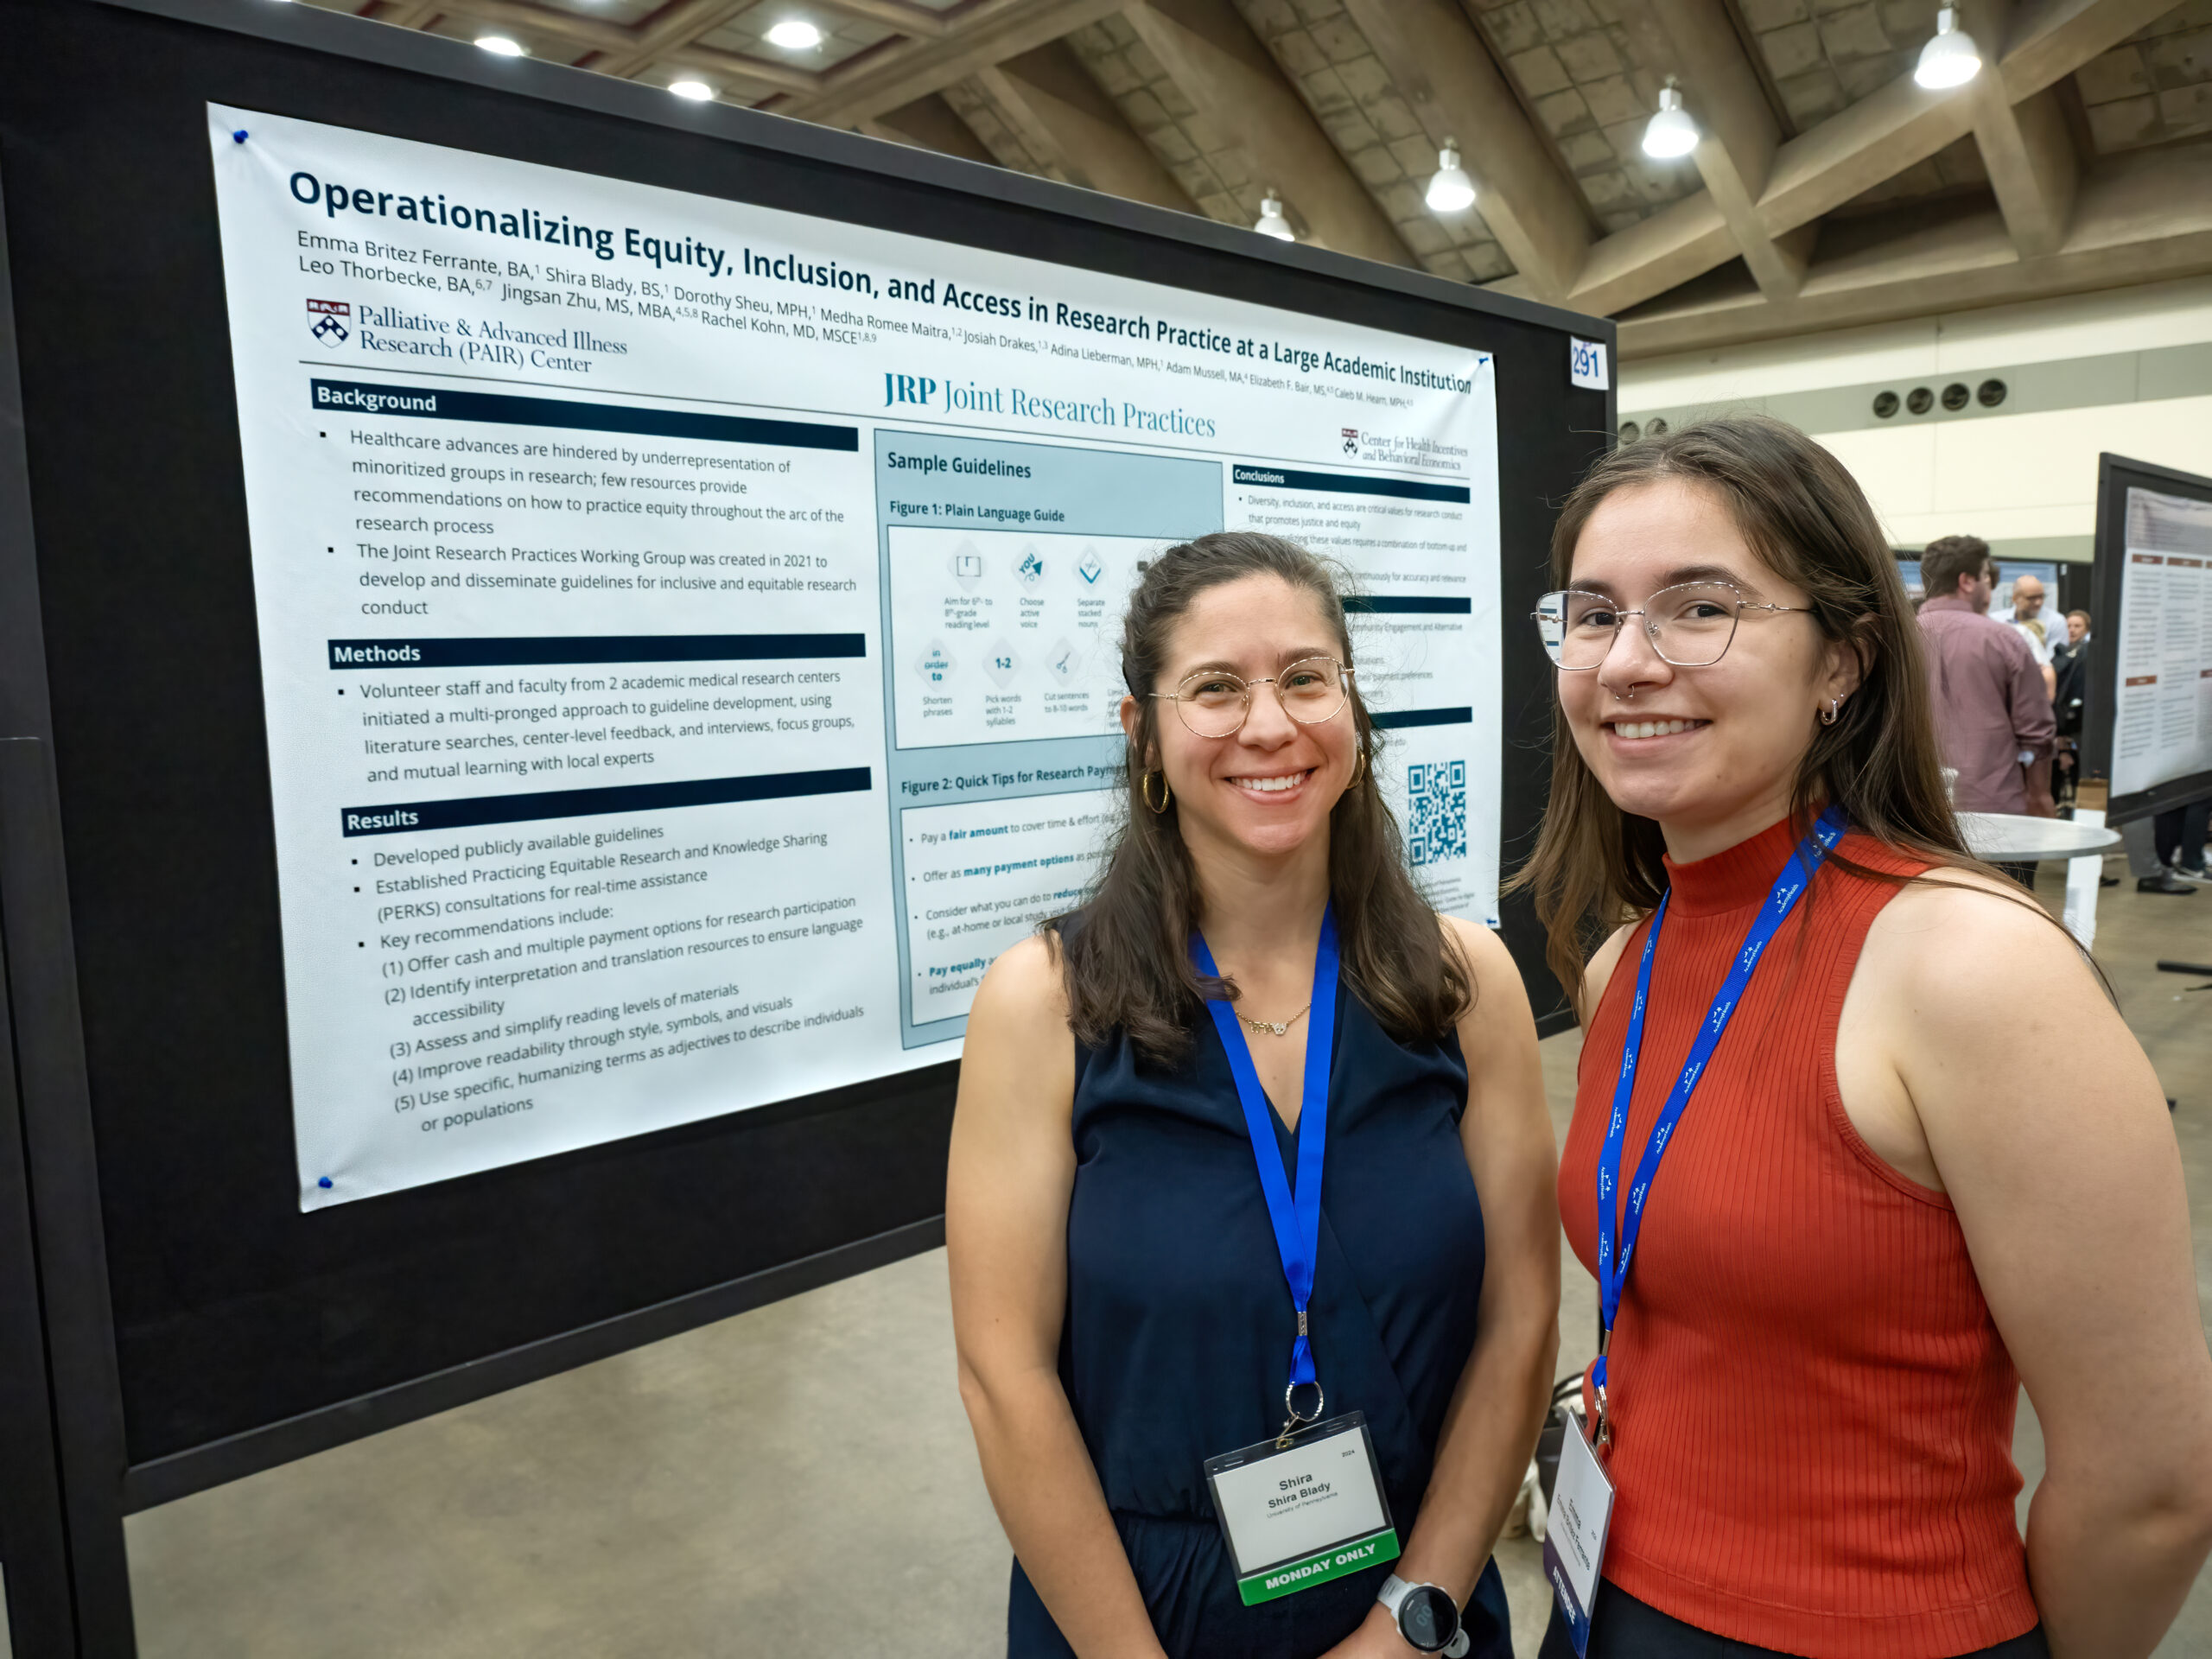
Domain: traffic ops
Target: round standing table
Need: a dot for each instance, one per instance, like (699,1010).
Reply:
(2016,838)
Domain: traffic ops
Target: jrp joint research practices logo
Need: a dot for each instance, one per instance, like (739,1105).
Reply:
(324,320)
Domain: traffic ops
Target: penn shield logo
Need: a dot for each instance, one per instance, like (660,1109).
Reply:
(326,321)
(1351,439)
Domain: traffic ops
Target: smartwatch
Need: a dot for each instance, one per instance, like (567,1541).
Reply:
(1427,1618)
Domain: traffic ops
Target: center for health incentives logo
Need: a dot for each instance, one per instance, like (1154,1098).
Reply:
(323,321)
(1351,439)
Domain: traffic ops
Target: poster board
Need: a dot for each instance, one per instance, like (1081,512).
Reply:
(199,1322)
(2148,728)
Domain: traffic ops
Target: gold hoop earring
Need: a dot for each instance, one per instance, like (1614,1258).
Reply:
(1144,788)
(1358,771)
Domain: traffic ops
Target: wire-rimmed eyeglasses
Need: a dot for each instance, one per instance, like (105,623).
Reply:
(1214,702)
(1690,624)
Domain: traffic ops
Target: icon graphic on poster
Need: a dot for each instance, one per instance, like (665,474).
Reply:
(1091,568)
(1032,568)
(936,664)
(967,565)
(1063,662)
(1000,663)
(324,323)
(1351,439)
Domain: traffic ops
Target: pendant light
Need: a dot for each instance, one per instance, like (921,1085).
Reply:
(1671,133)
(1271,221)
(1450,190)
(1951,58)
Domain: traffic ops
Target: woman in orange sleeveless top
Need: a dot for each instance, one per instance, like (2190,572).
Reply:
(1867,1224)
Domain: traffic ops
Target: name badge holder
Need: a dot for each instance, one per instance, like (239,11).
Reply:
(1308,1505)
(1582,1504)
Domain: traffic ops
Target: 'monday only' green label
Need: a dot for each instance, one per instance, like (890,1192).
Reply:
(1333,1563)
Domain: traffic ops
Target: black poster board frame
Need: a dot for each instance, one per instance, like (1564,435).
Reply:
(2116,475)
(85,1436)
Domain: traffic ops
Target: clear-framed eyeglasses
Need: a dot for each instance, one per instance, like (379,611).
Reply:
(1214,702)
(1690,624)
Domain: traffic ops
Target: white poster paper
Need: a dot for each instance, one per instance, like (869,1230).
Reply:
(690,630)
(2162,725)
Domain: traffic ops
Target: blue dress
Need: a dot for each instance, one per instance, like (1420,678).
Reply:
(1178,1335)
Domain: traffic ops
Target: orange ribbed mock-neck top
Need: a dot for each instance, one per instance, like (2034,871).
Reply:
(1811,1408)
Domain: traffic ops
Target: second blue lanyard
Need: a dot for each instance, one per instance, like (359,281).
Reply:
(1788,887)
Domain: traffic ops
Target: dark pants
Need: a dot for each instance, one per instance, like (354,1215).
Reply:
(1621,1627)
(2178,833)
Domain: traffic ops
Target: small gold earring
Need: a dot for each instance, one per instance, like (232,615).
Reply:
(1358,770)
(1144,788)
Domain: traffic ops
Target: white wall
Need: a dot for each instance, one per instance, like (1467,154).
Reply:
(2002,477)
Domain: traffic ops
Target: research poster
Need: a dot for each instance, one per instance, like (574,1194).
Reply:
(689,631)
(2161,728)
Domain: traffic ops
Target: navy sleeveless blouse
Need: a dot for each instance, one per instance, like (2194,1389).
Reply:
(1177,1340)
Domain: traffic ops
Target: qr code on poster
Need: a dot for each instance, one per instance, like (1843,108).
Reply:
(1438,799)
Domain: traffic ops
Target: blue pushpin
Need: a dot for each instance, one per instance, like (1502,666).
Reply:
(238,137)
(324,1182)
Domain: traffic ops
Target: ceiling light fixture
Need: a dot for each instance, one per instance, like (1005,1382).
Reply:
(1671,133)
(501,46)
(795,34)
(1450,190)
(1271,221)
(697,91)
(1951,58)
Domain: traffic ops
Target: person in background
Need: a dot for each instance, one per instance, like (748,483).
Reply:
(2178,833)
(1993,713)
(1126,1301)
(1847,1234)
(2069,662)
(2025,617)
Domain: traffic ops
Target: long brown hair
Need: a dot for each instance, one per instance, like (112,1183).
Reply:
(1595,866)
(1125,955)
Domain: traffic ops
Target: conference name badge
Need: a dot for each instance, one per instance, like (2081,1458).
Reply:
(1301,1514)
(1574,1537)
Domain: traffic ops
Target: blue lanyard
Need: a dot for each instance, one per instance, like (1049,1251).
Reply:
(1297,1221)
(1788,887)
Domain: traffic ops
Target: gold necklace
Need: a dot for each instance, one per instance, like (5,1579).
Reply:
(1272,1027)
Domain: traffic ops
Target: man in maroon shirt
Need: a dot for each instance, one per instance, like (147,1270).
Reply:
(1992,716)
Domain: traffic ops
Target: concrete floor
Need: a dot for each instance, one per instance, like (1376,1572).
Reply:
(696,1498)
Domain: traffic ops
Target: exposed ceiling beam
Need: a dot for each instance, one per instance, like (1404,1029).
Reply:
(1065,117)
(930,124)
(1444,72)
(1695,41)
(986,32)
(2026,147)
(2145,216)
(2032,167)
(410,13)
(1683,239)
(1212,56)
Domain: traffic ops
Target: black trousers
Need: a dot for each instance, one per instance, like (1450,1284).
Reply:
(1621,1627)
(2178,833)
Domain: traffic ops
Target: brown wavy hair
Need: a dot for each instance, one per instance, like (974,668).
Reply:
(1125,955)
(1596,867)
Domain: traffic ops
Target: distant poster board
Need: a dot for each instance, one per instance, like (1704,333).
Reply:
(2149,729)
